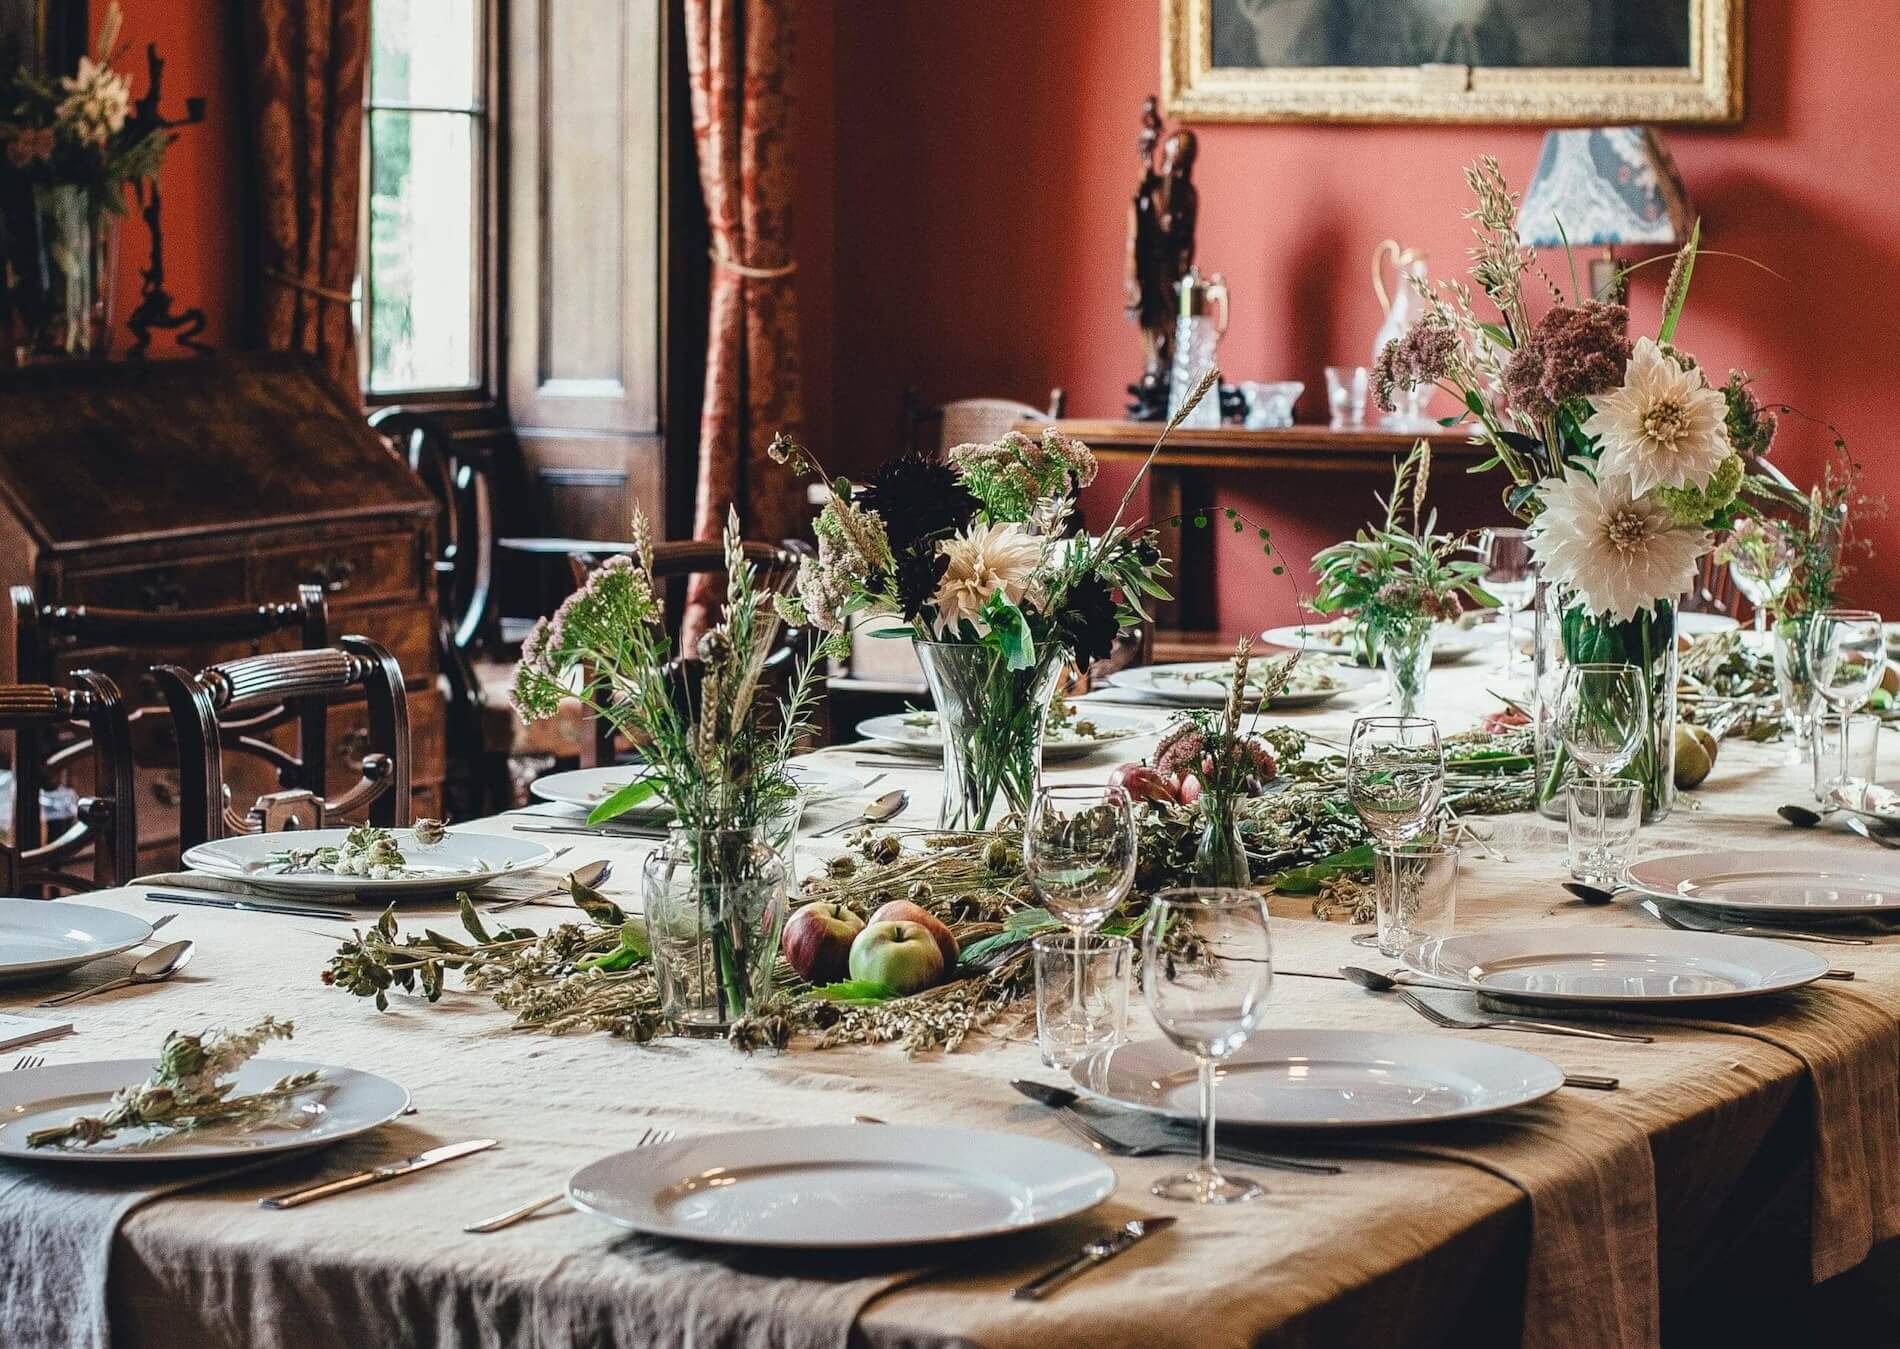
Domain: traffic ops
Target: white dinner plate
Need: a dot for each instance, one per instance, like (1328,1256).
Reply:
(1326,1079)
(340,1104)
(40,937)
(462,861)
(1616,965)
(831,1186)
(1204,683)
(586,788)
(918,733)
(1789,885)
(1702,625)
(1450,642)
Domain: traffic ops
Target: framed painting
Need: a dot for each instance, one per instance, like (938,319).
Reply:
(1552,62)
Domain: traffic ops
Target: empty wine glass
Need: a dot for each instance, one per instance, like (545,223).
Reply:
(1079,855)
(1762,581)
(1793,679)
(1207,967)
(1395,775)
(1601,711)
(1847,655)
(1511,578)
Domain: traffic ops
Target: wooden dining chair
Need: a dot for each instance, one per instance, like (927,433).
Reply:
(105,822)
(42,633)
(233,708)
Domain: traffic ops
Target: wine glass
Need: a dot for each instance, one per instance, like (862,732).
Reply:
(1510,576)
(1601,711)
(1847,655)
(1762,589)
(1794,681)
(1395,774)
(1079,854)
(1206,970)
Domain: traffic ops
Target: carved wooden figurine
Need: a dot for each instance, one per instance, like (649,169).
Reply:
(1160,251)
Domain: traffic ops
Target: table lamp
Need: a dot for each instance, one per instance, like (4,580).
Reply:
(1607,185)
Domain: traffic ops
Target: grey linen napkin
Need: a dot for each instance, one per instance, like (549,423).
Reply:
(56,1235)
(1592,1276)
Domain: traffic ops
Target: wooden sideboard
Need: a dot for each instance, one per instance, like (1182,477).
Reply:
(1184,473)
(171,485)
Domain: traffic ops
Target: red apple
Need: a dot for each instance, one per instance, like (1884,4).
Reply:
(903,911)
(1143,783)
(817,941)
(903,957)
(1190,790)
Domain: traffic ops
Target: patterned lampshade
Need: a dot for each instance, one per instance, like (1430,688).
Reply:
(1608,185)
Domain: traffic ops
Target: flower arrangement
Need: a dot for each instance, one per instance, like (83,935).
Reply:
(979,560)
(1403,575)
(78,130)
(1625,459)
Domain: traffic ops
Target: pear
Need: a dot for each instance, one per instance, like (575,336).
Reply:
(1695,755)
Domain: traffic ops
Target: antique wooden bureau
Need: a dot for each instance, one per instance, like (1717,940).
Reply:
(170,485)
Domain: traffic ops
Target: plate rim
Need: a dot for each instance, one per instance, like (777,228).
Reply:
(1333,1126)
(1141,727)
(1816,965)
(534,788)
(330,884)
(1105,1185)
(142,1067)
(11,972)
(1353,678)
(1674,894)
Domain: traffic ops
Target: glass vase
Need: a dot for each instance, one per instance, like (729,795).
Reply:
(67,301)
(1406,651)
(1566,635)
(1793,679)
(715,903)
(1219,857)
(992,719)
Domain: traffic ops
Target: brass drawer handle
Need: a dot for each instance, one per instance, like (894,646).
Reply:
(334,574)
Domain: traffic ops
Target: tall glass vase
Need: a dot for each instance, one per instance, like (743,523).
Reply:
(1566,635)
(67,301)
(715,905)
(992,719)
(1220,859)
(1406,650)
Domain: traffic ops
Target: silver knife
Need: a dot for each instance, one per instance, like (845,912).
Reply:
(590,830)
(376,1175)
(218,901)
(1061,1098)
(1096,1252)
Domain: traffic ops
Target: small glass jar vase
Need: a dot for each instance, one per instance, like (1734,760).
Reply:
(1220,859)
(1406,651)
(715,904)
(992,719)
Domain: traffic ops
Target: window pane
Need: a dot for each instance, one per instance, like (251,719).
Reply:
(424,51)
(423,286)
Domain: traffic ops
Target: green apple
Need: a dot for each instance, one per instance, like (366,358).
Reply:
(904,911)
(817,941)
(901,956)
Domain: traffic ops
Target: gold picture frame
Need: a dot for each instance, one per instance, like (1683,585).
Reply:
(1708,89)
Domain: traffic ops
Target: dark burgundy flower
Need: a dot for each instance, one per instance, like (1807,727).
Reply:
(919,569)
(917,498)
(1089,618)
(1570,353)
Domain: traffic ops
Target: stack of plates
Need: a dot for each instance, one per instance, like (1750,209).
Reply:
(1612,967)
(1778,887)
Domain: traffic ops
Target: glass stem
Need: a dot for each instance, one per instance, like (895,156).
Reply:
(1603,829)
(1847,717)
(1080,1014)
(1209,1170)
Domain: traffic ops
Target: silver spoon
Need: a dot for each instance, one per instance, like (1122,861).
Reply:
(590,875)
(1385,983)
(1590,894)
(886,807)
(1803,818)
(161,964)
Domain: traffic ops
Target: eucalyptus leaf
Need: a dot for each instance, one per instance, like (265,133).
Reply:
(1306,880)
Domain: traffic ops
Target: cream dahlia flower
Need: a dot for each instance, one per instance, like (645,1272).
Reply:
(1664,428)
(983,561)
(1621,553)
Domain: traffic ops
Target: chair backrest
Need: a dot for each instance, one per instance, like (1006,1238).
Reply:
(232,707)
(106,819)
(1714,591)
(458,475)
(969,419)
(42,631)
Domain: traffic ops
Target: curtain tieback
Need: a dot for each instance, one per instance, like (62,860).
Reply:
(721,258)
(311,288)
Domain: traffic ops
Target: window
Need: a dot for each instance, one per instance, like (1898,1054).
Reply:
(424,271)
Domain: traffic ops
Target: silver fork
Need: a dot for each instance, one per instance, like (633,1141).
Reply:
(1102,1142)
(26,1061)
(1449,1022)
(1669,919)
(515,1215)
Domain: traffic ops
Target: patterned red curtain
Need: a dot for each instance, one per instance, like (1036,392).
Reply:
(739,54)
(304,64)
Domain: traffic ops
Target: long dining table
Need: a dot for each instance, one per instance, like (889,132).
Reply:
(1746,1155)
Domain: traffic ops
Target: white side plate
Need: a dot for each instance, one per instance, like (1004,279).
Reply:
(462,861)
(833,1186)
(341,1104)
(40,938)
(1204,683)
(1326,1079)
(919,733)
(1789,885)
(1450,642)
(588,787)
(1616,966)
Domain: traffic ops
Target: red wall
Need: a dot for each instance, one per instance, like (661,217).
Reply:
(985,157)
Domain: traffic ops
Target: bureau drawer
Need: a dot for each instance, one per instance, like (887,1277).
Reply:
(209,583)
(384,567)
(408,630)
(348,734)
